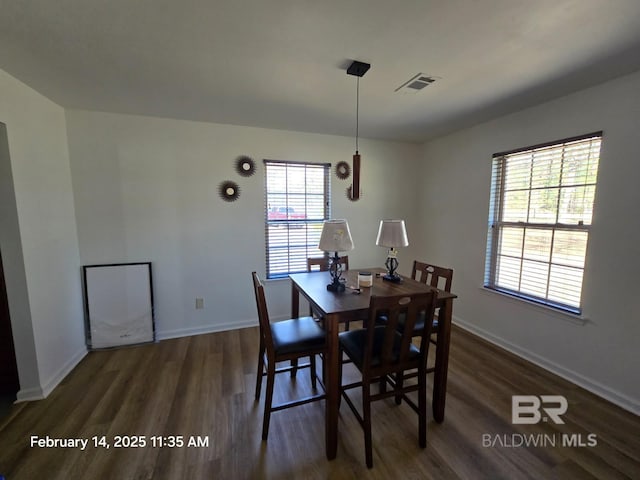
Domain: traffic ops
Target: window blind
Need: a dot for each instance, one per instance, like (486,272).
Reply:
(540,214)
(296,206)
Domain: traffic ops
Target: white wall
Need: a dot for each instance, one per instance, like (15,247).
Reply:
(43,265)
(13,266)
(601,354)
(146,190)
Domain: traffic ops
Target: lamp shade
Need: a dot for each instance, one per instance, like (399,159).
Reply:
(335,236)
(392,234)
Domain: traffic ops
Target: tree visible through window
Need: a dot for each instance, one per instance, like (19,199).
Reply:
(296,205)
(539,220)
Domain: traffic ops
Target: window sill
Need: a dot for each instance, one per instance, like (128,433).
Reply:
(576,319)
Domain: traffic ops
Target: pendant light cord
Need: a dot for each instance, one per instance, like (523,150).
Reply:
(357,111)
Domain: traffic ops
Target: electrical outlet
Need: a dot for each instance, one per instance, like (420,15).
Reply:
(199,303)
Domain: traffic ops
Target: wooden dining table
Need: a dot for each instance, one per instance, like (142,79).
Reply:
(352,305)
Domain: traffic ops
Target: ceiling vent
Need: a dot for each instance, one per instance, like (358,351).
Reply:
(415,84)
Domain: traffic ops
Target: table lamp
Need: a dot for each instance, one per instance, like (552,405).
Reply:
(392,234)
(335,237)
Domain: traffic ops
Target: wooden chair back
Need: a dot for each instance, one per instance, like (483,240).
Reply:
(390,352)
(438,277)
(323,263)
(266,338)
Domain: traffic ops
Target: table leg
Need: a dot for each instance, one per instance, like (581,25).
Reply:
(442,361)
(332,386)
(295,301)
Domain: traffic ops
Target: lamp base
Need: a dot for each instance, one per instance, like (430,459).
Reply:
(392,278)
(335,269)
(336,287)
(392,266)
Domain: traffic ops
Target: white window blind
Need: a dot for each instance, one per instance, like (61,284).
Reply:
(539,219)
(296,205)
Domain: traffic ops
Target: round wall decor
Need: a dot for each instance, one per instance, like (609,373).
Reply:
(229,191)
(343,170)
(245,166)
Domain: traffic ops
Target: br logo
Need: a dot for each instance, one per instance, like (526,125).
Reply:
(525,409)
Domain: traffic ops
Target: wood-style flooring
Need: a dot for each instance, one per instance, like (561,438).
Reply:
(202,387)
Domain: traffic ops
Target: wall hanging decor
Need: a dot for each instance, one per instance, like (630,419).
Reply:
(229,191)
(245,166)
(343,170)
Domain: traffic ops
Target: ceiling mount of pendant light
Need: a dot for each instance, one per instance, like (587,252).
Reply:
(357,69)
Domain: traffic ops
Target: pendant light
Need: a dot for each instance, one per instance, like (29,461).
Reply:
(357,69)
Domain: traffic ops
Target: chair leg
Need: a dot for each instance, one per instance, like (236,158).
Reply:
(398,387)
(271,375)
(346,325)
(312,370)
(260,371)
(294,367)
(366,424)
(434,332)
(422,408)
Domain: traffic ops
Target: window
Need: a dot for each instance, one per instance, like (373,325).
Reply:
(539,220)
(296,205)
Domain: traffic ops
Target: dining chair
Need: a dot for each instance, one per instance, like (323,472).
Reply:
(382,351)
(321,264)
(439,277)
(435,276)
(280,341)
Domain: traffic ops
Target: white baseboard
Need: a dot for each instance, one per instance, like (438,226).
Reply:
(38,393)
(219,327)
(620,399)
(29,394)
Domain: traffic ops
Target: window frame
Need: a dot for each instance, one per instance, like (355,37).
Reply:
(308,227)
(497,224)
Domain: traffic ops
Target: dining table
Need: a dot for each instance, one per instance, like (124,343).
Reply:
(352,304)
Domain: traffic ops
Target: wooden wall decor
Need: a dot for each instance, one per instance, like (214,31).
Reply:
(229,191)
(343,170)
(245,166)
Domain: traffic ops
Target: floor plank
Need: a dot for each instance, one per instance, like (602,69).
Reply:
(203,387)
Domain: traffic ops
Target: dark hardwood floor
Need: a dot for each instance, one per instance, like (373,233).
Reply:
(202,388)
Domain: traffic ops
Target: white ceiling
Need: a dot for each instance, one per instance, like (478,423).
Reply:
(281,63)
